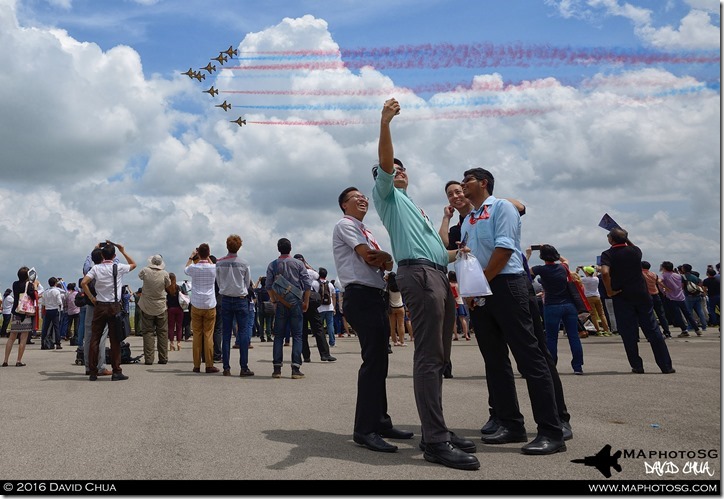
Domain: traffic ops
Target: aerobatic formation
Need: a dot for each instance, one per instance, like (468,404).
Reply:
(222,58)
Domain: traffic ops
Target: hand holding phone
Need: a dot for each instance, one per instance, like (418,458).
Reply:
(535,247)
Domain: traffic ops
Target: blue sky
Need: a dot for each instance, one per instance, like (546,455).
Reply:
(636,139)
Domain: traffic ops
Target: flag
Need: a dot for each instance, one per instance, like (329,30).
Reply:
(608,223)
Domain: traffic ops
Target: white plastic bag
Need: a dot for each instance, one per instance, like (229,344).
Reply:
(471,279)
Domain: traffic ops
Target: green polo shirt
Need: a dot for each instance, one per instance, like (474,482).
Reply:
(412,235)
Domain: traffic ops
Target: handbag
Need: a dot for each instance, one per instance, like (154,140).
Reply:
(470,275)
(26,303)
(269,308)
(122,327)
(578,295)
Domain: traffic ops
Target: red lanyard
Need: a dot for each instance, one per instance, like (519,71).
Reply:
(483,216)
(368,235)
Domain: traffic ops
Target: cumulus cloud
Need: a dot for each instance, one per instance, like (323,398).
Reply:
(95,150)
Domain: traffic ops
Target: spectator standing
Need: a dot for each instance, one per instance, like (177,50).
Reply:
(233,277)
(153,310)
(589,280)
(396,312)
(621,274)
(326,310)
(652,284)
(712,286)
(175,313)
(73,314)
(290,307)
(106,306)
(22,324)
(312,321)
(693,298)
(7,307)
(52,305)
(95,258)
(672,285)
(203,306)
(422,261)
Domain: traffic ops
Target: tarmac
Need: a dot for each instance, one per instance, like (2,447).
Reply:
(168,423)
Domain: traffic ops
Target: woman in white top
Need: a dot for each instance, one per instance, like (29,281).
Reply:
(8,301)
(397,312)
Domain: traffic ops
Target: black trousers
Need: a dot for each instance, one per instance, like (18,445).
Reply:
(312,321)
(366,311)
(503,323)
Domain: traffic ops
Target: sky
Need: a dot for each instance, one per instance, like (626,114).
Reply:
(579,108)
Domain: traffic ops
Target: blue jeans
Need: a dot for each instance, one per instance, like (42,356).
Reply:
(693,304)
(328,319)
(711,306)
(234,308)
(565,312)
(292,317)
(250,320)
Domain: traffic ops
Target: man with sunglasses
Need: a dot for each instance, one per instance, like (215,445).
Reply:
(504,322)
(422,261)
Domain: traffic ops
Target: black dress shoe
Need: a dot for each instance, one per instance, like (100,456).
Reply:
(542,445)
(637,370)
(448,455)
(396,433)
(373,442)
(490,427)
(670,370)
(504,436)
(93,377)
(463,444)
(118,377)
(567,431)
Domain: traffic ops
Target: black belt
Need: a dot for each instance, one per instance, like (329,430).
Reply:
(363,287)
(421,261)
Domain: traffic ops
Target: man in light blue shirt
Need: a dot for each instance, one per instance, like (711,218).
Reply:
(503,321)
(422,261)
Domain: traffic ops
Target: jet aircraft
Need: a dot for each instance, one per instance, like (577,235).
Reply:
(239,121)
(199,76)
(210,68)
(231,51)
(190,73)
(222,58)
(224,106)
(212,91)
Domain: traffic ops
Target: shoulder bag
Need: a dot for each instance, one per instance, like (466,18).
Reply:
(577,293)
(26,302)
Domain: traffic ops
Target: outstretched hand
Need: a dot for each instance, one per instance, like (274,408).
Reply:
(390,110)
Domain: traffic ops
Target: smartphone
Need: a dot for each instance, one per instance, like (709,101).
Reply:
(535,247)
(598,260)
(464,242)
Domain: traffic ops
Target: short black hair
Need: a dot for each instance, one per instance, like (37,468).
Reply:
(108,251)
(686,267)
(667,265)
(322,272)
(549,253)
(482,174)
(284,246)
(343,196)
(96,255)
(645,265)
(452,182)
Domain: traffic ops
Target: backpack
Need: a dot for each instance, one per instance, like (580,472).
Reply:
(80,300)
(315,299)
(325,296)
(126,357)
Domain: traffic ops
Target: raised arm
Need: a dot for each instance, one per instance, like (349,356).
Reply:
(385,150)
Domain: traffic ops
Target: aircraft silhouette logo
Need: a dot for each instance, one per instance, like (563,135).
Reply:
(603,461)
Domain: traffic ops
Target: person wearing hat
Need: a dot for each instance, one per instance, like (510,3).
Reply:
(153,309)
(590,289)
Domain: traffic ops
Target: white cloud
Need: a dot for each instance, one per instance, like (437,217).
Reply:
(94,150)
(696,31)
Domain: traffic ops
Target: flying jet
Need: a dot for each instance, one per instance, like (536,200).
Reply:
(190,73)
(210,68)
(603,461)
(212,91)
(231,51)
(239,121)
(224,106)
(222,58)
(199,76)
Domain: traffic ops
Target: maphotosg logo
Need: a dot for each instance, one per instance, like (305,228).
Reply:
(675,462)
(660,463)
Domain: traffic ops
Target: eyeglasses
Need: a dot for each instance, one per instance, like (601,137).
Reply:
(469,178)
(399,169)
(358,197)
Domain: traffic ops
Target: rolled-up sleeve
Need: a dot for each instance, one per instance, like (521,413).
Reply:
(507,222)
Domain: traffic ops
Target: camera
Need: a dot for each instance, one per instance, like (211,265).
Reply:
(535,247)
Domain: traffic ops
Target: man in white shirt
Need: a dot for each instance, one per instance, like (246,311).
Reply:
(107,303)
(53,304)
(203,302)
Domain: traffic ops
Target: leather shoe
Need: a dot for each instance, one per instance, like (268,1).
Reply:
(567,431)
(490,427)
(448,455)
(212,369)
(373,442)
(396,433)
(118,377)
(197,369)
(637,370)
(92,377)
(670,370)
(105,372)
(463,444)
(329,358)
(504,436)
(542,445)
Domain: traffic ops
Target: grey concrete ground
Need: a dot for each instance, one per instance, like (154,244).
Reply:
(167,423)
